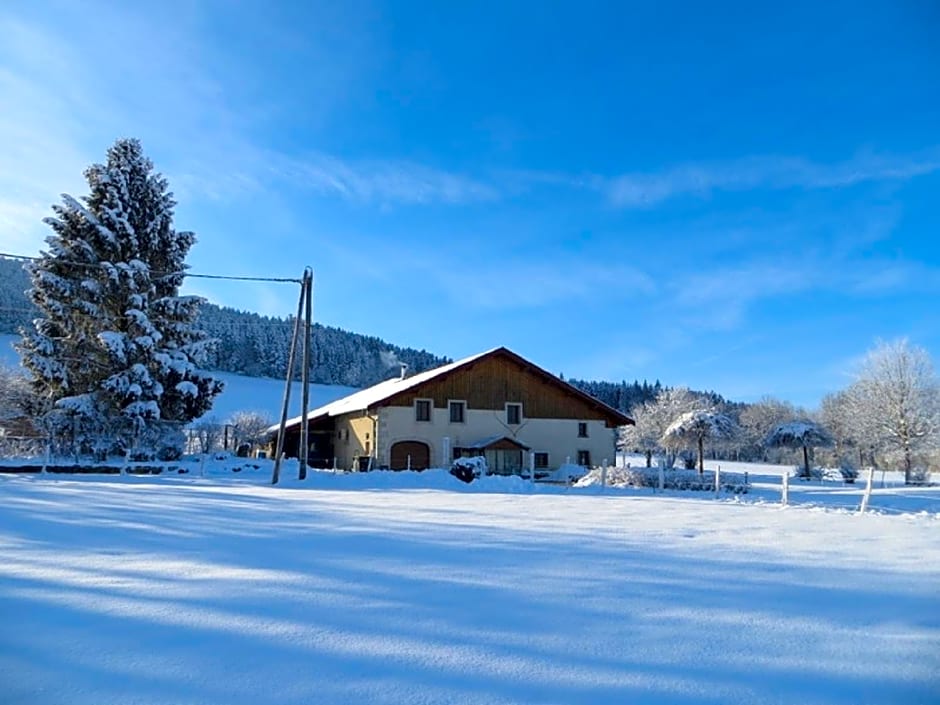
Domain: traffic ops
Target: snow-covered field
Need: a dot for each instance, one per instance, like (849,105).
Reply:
(415,588)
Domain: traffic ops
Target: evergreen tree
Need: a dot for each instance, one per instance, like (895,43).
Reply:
(114,348)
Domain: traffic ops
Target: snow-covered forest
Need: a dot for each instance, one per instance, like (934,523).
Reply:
(252,344)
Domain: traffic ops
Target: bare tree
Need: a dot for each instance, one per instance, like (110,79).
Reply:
(799,434)
(208,433)
(757,420)
(845,416)
(834,415)
(897,396)
(693,428)
(250,427)
(12,386)
(653,418)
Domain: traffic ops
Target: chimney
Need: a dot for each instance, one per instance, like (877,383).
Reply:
(404,369)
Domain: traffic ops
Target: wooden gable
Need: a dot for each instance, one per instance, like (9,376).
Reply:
(501,377)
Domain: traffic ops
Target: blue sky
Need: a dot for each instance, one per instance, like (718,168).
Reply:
(722,195)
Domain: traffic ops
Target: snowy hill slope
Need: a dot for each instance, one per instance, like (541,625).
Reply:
(241,393)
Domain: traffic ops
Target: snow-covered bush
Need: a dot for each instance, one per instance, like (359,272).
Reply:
(672,479)
(845,474)
(467,469)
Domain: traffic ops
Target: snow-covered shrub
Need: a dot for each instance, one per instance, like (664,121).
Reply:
(845,474)
(467,469)
(673,479)
(616,477)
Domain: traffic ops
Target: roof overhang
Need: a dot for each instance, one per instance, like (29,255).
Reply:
(496,443)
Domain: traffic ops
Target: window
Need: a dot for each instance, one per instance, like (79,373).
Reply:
(541,460)
(513,414)
(584,458)
(457,411)
(582,429)
(422,410)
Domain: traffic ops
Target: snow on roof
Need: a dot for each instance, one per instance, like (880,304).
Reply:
(365,398)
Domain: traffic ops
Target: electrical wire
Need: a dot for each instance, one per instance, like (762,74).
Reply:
(191,275)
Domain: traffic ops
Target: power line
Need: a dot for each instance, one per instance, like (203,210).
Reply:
(191,275)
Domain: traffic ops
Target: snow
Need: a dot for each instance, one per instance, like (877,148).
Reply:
(187,388)
(115,342)
(796,434)
(700,423)
(266,395)
(214,587)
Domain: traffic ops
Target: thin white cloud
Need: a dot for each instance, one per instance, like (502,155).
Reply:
(890,276)
(722,298)
(382,181)
(640,190)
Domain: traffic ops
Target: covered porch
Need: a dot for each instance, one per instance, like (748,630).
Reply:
(504,455)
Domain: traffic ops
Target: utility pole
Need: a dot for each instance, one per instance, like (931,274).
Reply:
(307,287)
(290,378)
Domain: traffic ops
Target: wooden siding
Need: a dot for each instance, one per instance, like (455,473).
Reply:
(492,381)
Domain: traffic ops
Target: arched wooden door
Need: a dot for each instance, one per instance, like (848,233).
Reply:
(419,454)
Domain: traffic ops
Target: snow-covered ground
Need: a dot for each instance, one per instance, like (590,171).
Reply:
(214,587)
(241,393)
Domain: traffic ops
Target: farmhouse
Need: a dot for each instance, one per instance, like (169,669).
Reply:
(495,404)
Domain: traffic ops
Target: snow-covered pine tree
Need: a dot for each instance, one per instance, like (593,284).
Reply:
(114,348)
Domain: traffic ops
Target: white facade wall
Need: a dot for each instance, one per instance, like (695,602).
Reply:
(557,437)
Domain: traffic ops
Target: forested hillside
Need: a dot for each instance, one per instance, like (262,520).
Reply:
(259,346)
(255,345)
